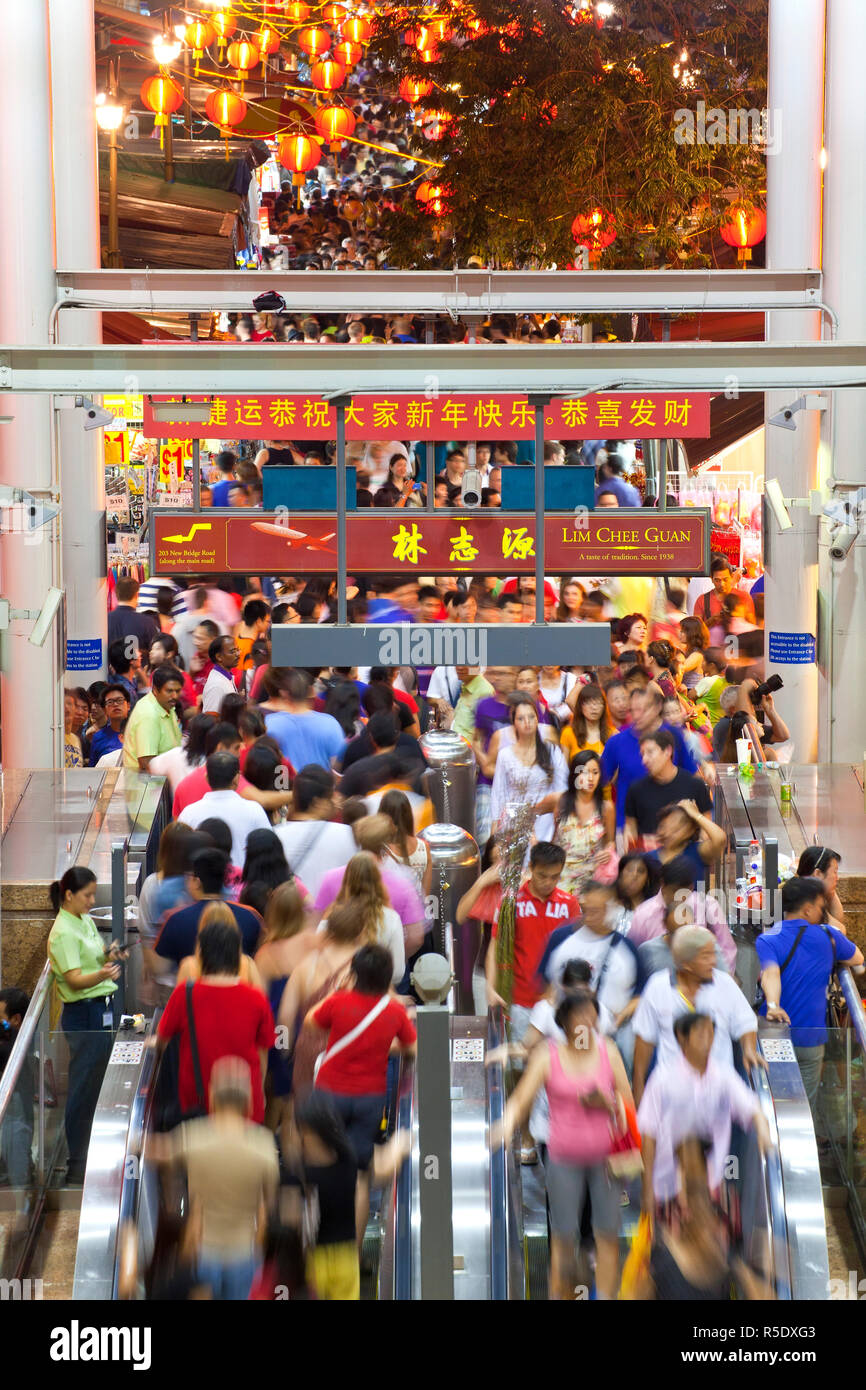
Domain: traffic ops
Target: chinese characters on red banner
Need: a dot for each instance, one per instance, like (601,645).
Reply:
(623,416)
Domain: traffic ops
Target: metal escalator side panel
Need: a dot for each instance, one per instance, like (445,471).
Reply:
(111,1178)
(773,1234)
(800,1168)
(397,1277)
(507,1257)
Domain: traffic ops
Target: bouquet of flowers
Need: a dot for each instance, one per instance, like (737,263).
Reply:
(513,834)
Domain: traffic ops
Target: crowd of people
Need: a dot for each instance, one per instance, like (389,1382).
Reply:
(294,878)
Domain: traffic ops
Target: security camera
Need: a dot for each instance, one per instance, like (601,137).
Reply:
(842,541)
(95,418)
(47,614)
(470,488)
(776,502)
(785,418)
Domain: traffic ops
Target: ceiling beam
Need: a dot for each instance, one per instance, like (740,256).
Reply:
(554,369)
(465,293)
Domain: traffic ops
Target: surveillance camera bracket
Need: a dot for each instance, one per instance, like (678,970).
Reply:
(7,614)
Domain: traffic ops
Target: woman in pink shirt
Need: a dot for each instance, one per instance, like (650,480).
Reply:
(587,1091)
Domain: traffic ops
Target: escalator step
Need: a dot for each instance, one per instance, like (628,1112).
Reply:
(537,1257)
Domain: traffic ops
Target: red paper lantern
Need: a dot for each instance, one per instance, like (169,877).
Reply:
(595,229)
(226,109)
(441,29)
(425,38)
(347,53)
(358,30)
(411,37)
(433,197)
(335,124)
(314,41)
(744,230)
(267,41)
(437,204)
(328,75)
(242,57)
(297,11)
(334,14)
(199,35)
(412,89)
(435,124)
(224,24)
(162,96)
(300,153)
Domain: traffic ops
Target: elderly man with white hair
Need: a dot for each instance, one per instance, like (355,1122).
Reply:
(695,985)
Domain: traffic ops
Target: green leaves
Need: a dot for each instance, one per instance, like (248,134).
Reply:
(557,117)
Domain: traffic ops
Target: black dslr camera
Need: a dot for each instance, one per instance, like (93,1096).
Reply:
(768,687)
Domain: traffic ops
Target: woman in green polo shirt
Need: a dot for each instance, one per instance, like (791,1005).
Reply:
(85,974)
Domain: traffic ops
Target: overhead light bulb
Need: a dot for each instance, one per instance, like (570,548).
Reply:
(109,114)
(165,50)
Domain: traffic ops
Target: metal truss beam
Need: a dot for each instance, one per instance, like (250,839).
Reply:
(465,292)
(276,369)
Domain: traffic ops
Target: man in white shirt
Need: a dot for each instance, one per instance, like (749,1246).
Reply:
(611,957)
(223,802)
(697,986)
(692,1096)
(223,652)
(312,841)
(199,609)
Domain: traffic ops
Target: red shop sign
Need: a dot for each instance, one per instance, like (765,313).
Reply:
(481,542)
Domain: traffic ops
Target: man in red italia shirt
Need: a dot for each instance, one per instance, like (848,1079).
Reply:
(541,908)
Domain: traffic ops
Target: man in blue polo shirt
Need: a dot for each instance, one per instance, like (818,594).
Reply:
(219,493)
(205,881)
(798,956)
(621,756)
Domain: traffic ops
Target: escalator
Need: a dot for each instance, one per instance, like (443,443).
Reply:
(499,1236)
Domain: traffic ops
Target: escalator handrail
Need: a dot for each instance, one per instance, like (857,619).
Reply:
(777,1217)
(855,1005)
(403,1256)
(26,1033)
(139,1126)
(495,1088)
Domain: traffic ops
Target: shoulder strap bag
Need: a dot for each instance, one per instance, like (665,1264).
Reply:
(350,1037)
(201,1099)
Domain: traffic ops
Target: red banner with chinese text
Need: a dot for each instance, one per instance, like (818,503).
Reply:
(442,418)
(630,542)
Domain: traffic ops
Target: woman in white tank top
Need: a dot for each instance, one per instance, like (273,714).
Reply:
(405,848)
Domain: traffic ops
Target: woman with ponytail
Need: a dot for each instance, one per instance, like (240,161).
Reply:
(85,975)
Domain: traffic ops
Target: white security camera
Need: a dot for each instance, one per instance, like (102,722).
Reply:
(842,541)
(47,613)
(95,418)
(470,488)
(785,418)
(776,502)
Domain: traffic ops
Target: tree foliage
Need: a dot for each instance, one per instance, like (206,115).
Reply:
(554,116)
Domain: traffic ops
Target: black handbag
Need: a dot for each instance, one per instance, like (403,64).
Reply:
(167,1108)
(269,303)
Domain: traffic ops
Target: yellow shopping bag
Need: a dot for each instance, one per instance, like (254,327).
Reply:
(638,1258)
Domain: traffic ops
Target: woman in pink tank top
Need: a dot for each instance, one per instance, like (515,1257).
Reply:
(587,1088)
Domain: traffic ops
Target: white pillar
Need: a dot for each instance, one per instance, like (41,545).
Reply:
(795,85)
(844,581)
(31,708)
(76,198)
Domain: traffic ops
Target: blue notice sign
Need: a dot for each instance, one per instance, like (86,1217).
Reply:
(83,653)
(791,649)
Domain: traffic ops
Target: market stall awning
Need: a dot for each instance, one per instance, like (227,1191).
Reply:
(730,420)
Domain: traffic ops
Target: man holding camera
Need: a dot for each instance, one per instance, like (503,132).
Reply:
(709,605)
